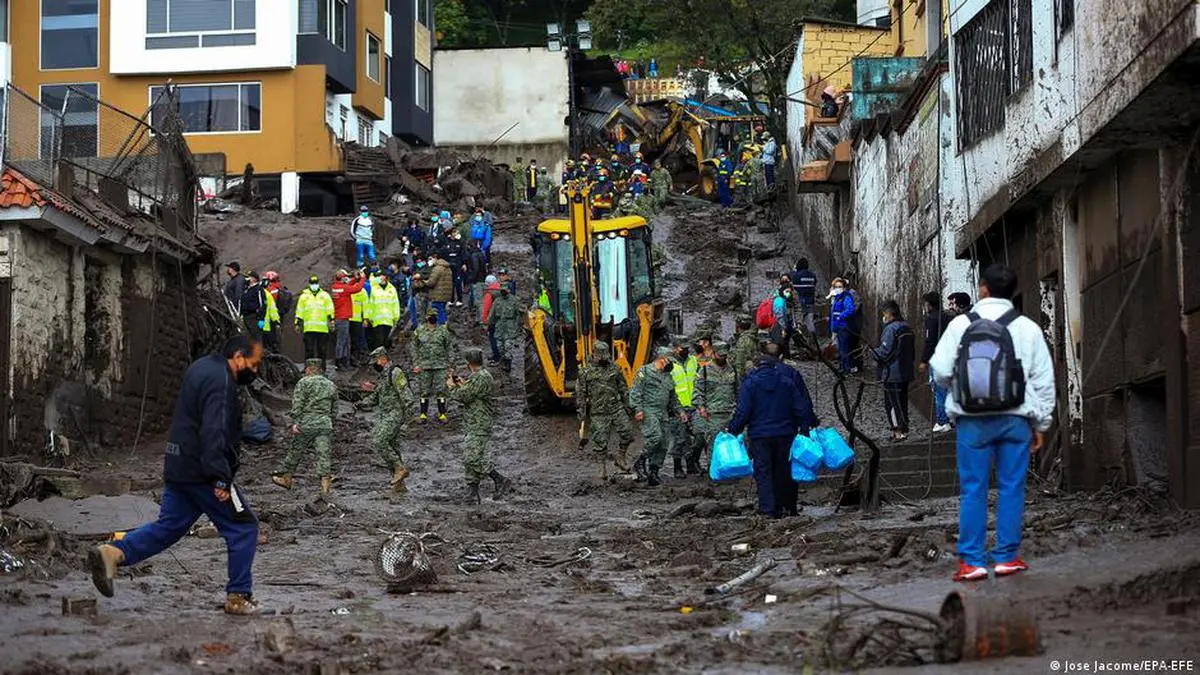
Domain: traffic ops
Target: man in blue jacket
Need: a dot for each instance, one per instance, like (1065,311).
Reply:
(775,404)
(198,471)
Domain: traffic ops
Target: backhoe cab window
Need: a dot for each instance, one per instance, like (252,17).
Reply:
(641,283)
(612,279)
(555,278)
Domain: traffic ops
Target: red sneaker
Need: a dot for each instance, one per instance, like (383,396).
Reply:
(1012,567)
(968,572)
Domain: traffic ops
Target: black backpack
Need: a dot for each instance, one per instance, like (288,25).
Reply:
(987,376)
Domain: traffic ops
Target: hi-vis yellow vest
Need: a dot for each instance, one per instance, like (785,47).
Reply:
(315,310)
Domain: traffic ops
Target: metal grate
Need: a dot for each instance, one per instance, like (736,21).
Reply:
(981,60)
(1020,44)
(32,138)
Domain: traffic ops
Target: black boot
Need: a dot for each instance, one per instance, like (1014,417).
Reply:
(679,472)
(473,493)
(441,405)
(693,464)
(424,411)
(639,468)
(652,479)
(503,484)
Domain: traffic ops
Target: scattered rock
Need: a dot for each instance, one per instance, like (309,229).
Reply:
(280,637)
(79,606)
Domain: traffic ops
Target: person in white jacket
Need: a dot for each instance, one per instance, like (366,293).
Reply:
(1004,438)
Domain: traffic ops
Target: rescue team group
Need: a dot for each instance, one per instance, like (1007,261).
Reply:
(993,361)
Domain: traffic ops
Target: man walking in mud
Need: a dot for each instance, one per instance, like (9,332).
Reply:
(655,404)
(314,406)
(602,399)
(504,322)
(430,350)
(745,347)
(715,397)
(198,476)
(389,393)
(476,395)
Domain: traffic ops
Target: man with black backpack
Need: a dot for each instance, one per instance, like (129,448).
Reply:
(1001,378)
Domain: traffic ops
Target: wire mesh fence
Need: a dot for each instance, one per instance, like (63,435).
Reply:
(32,137)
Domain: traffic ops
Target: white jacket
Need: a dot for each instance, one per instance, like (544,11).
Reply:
(1030,346)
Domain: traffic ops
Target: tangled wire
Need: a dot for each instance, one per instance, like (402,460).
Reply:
(866,634)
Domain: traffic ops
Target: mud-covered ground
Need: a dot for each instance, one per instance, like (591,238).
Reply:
(591,576)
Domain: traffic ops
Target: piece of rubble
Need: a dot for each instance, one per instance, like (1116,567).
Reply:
(79,607)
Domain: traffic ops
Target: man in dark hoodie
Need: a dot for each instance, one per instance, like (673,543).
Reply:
(775,405)
(894,354)
(198,472)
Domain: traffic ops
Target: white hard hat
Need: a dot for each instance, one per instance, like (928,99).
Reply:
(490,279)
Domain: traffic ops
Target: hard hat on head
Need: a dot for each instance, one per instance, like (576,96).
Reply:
(314,279)
(474,356)
(490,279)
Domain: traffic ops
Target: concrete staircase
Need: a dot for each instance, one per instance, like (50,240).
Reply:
(910,471)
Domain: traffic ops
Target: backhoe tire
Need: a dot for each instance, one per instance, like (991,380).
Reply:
(539,397)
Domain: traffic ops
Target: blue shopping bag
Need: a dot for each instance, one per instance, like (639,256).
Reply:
(806,459)
(803,474)
(835,453)
(730,461)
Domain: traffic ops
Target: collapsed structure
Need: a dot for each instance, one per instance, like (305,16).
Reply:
(99,259)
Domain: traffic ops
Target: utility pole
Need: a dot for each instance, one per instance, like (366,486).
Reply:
(574,44)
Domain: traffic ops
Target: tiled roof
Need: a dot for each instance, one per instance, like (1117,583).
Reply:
(17,190)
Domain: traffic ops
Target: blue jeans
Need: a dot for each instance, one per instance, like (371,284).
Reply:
(441,310)
(1002,440)
(341,348)
(364,250)
(845,345)
(493,343)
(939,403)
(182,504)
(412,311)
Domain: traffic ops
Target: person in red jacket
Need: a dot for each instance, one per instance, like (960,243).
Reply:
(490,290)
(344,286)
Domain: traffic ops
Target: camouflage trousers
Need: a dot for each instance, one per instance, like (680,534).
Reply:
(685,440)
(431,383)
(601,427)
(505,346)
(708,429)
(308,439)
(656,438)
(477,456)
(388,431)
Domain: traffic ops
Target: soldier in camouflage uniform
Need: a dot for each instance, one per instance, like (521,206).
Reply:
(660,184)
(756,178)
(655,404)
(390,393)
(504,320)
(475,394)
(745,348)
(430,349)
(602,400)
(715,395)
(314,405)
(519,181)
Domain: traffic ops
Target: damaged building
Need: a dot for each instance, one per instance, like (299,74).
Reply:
(98,269)
(1031,137)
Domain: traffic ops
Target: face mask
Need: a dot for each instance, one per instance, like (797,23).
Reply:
(314,287)
(667,368)
(433,321)
(345,280)
(720,360)
(378,368)
(837,291)
(245,377)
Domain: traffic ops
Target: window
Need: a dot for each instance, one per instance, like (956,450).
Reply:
(335,28)
(3,20)
(383,139)
(80,133)
(373,54)
(981,58)
(344,114)
(70,34)
(310,17)
(424,87)
(612,279)
(365,129)
(1064,16)
(387,77)
(217,108)
(186,24)
(1020,44)
(422,12)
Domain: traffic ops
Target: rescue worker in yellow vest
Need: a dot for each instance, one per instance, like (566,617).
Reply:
(271,323)
(683,372)
(358,332)
(382,313)
(532,181)
(314,319)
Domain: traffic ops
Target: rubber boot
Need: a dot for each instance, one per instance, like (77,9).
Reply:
(693,464)
(103,561)
(473,493)
(679,472)
(639,468)
(441,407)
(621,461)
(424,411)
(503,484)
(652,478)
(283,480)
(326,481)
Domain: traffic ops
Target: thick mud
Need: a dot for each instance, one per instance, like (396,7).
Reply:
(592,576)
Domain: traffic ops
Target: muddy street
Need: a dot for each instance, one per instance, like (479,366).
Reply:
(574,574)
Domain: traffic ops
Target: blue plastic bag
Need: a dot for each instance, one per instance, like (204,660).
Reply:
(803,474)
(806,453)
(836,454)
(730,461)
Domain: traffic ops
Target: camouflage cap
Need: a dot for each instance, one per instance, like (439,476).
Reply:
(721,348)
(679,341)
(745,319)
(378,352)
(319,364)
(431,312)
(703,333)
(663,353)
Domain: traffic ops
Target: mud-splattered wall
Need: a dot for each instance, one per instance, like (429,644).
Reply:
(88,338)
